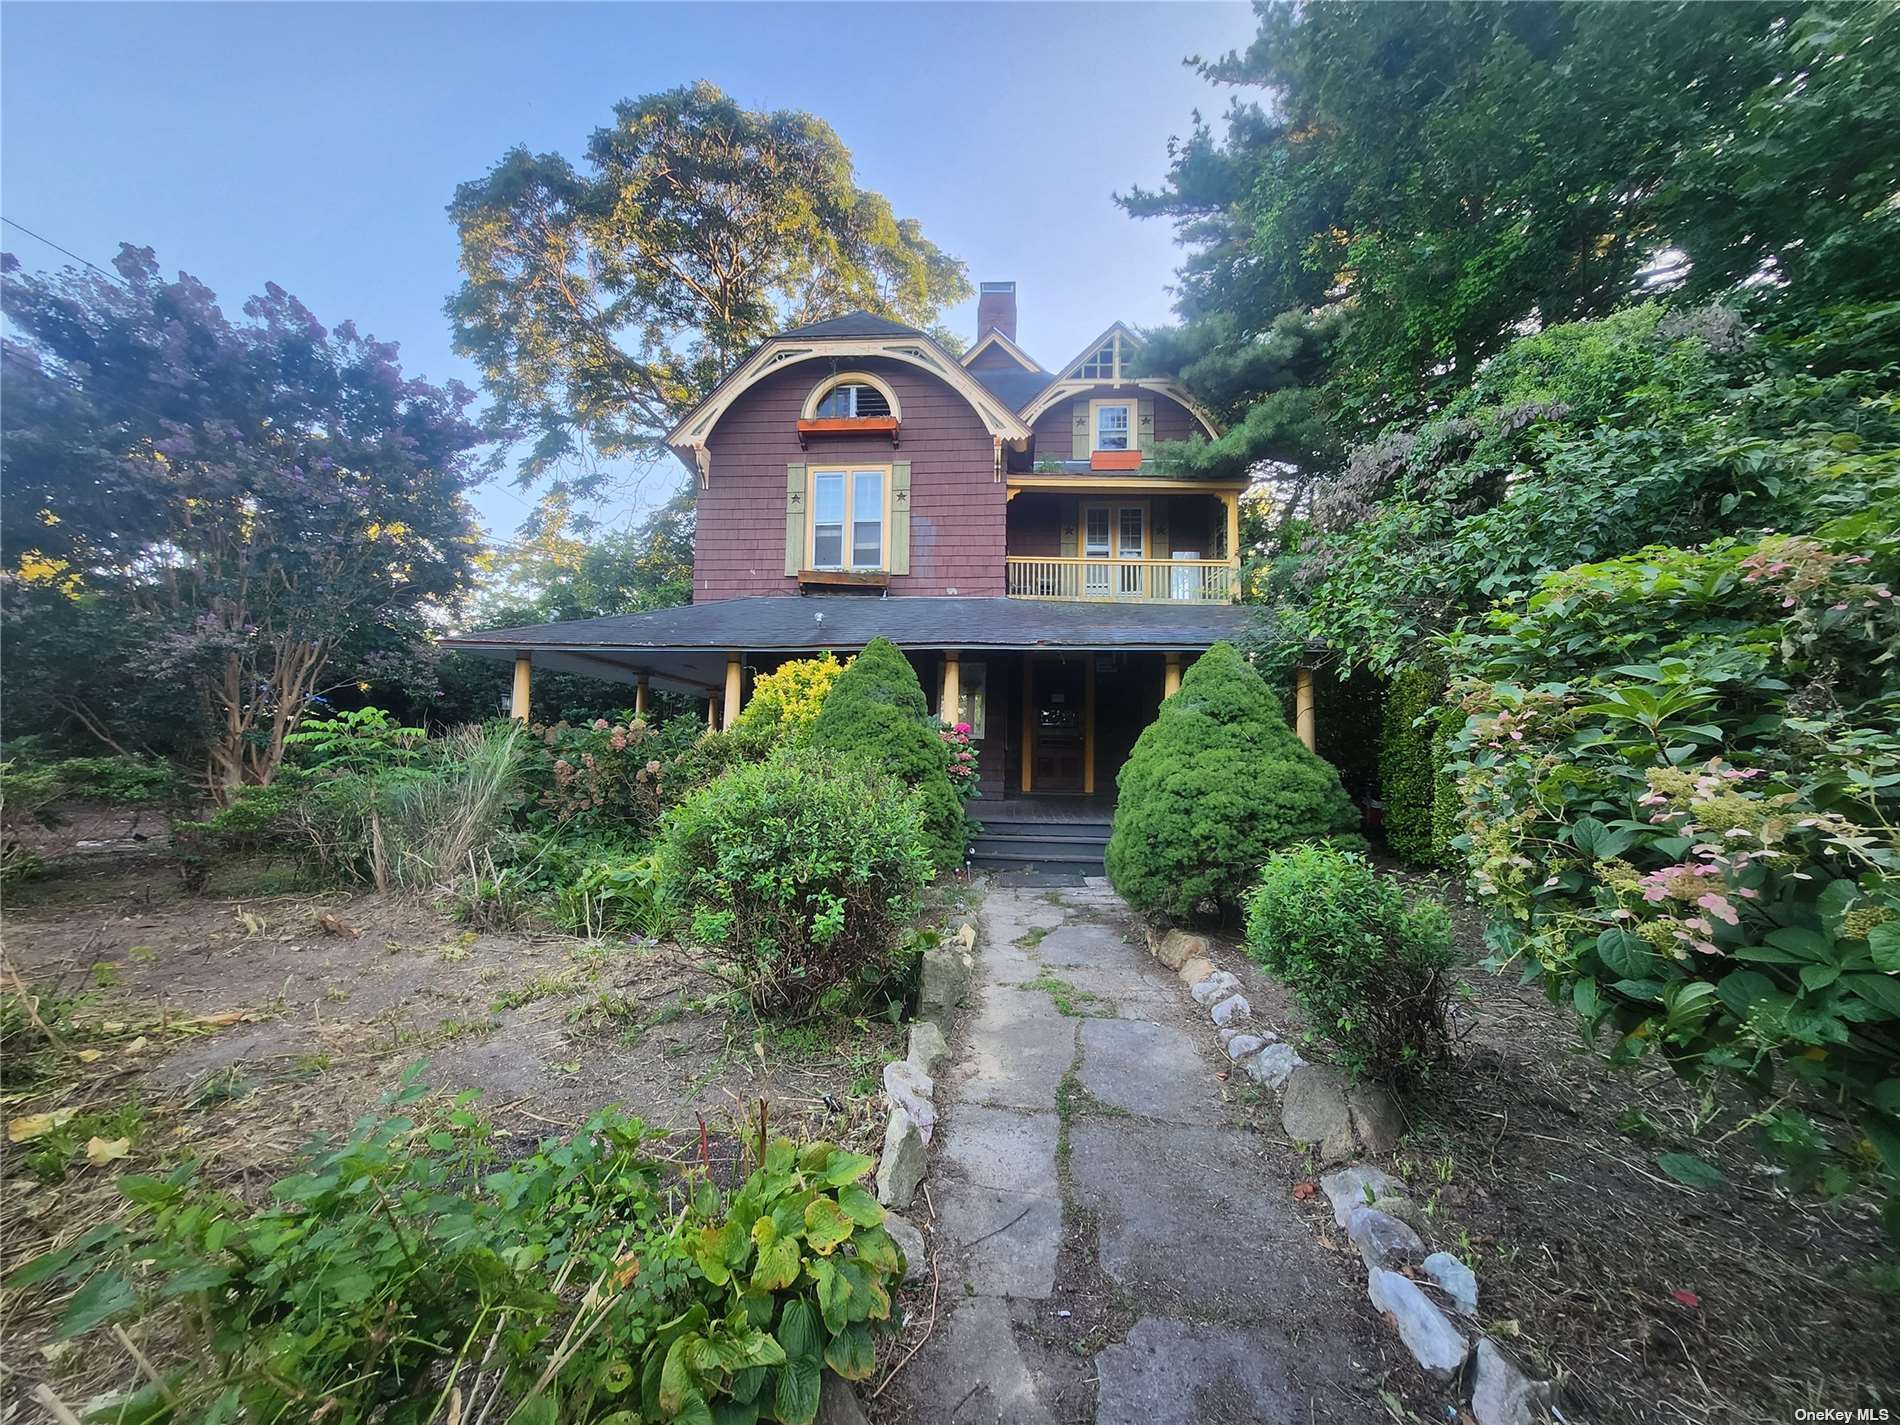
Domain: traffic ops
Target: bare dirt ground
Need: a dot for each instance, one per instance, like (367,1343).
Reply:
(236,1026)
(1649,1301)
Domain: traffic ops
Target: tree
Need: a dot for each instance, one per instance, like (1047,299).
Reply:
(200,516)
(603,303)
(1449,175)
(1215,784)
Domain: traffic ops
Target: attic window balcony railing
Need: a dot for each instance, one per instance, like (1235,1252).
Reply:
(1140,581)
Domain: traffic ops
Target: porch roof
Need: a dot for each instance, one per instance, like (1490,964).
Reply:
(686,647)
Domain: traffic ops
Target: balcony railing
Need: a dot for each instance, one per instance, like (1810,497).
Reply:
(1154,581)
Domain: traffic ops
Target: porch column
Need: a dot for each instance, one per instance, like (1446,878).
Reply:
(520,701)
(1303,707)
(1171,680)
(712,711)
(1232,501)
(735,674)
(640,699)
(952,686)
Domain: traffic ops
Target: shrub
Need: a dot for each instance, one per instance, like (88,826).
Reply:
(1408,772)
(1366,968)
(786,701)
(1215,784)
(682,1301)
(798,873)
(603,778)
(876,709)
(1679,786)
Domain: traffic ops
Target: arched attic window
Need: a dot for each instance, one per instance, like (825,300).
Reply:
(852,396)
(848,403)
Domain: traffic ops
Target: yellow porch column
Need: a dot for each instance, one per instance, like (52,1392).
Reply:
(1232,502)
(952,686)
(640,699)
(712,711)
(520,702)
(1171,680)
(735,674)
(1303,708)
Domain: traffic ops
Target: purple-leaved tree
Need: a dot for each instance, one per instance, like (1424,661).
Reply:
(200,518)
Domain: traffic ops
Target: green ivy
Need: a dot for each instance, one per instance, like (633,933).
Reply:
(1408,768)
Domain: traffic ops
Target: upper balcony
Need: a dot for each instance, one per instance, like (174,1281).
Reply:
(1136,539)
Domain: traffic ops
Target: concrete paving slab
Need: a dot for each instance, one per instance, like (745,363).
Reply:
(975,1374)
(1020,1046)
(999,1201)
(1088,943)
(1172,1373)
(1185,1223)
(1154,1070)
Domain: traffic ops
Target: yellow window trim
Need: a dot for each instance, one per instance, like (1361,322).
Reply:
(812,472)
(1133,406)
(850,378)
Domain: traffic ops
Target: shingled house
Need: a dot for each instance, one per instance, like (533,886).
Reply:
(1003,523)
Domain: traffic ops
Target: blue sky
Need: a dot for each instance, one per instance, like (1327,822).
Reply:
(316,145)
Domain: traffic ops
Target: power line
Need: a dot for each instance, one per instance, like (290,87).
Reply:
(83,261)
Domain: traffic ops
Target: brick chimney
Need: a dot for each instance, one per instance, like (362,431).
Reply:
(996,309)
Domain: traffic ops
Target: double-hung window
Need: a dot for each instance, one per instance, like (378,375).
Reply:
(848,518)
(1114,425)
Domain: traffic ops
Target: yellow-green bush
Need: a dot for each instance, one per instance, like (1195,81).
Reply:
(787,699)
(1408,770)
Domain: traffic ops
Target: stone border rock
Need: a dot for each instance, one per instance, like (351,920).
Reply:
(910,1083)
(1431,1298)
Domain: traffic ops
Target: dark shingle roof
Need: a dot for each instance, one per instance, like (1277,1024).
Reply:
(1015,387)
(786,624)
(853,324)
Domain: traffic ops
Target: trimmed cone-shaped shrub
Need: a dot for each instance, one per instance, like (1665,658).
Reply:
(876,709)
(1217,783)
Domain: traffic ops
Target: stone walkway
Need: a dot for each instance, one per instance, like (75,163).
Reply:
(1114,1234)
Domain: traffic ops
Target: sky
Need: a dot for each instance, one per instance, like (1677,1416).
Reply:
(317,145)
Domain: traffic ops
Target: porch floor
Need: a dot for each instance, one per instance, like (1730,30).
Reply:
(1053,808)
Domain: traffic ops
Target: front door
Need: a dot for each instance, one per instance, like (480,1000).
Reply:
(1114,532)
(1058,734)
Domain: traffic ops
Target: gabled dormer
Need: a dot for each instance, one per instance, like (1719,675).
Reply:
(1112,418)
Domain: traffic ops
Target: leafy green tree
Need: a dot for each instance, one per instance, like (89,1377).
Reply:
(1215,784)
(203,519)
(1444,175)
(604,301)
(876,709)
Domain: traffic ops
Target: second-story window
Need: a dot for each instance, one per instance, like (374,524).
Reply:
(1114,425)
(852,402)
(848,518)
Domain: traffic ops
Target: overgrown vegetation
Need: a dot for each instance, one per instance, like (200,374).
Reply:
(1678,781)
(1214,785)
(1368,970)
(588,1281)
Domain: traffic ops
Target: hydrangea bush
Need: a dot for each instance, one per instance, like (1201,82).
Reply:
(1679,778)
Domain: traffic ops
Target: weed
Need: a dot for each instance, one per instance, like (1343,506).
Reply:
(54,1153)
(105,974)
(1032,937)
(1069,1000)
(546,985)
